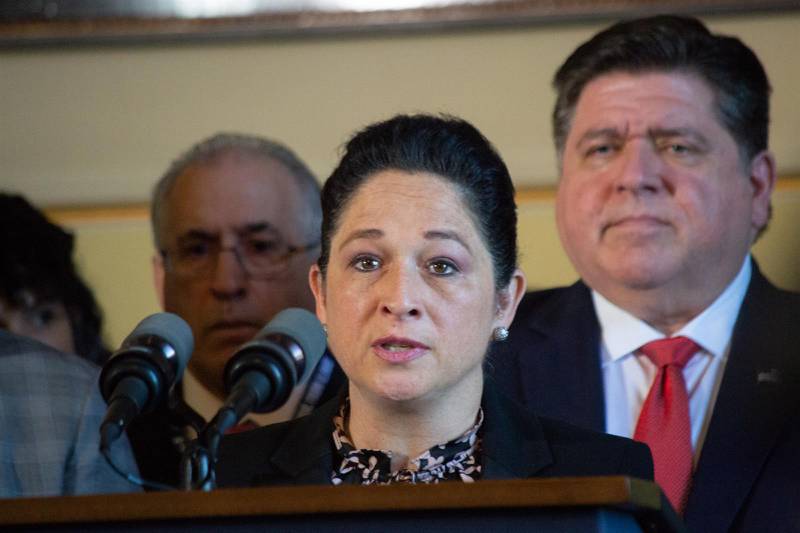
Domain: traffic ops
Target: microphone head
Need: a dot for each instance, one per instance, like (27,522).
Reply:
(306,330)
(173,330)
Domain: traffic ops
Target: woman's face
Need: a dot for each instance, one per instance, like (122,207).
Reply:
(409,299)
(47,322)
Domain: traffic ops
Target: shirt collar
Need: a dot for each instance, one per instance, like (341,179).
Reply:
(623,333)
(202,400)
(198,397)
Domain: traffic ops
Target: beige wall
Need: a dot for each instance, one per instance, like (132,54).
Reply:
(96,126)
(114,251)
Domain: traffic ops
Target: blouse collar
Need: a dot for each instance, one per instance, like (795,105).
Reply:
(456,459)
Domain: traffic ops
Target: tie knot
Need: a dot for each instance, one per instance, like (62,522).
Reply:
(673,351)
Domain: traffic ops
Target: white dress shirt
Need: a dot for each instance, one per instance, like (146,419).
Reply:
(207,404)
(628,374)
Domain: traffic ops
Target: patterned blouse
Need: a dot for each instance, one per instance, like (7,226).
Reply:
(456,460)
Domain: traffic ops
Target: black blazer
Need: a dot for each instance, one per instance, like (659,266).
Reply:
(748,475)
(516,444)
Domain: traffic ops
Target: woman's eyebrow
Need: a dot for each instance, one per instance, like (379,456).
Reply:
(369,233)
(446,235)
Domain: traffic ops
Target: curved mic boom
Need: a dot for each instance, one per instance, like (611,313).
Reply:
(262,373)
(138,376)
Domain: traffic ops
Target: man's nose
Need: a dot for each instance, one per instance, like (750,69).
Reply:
(641,169)
(229,277)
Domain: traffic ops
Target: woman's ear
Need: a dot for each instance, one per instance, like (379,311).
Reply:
(508,299)
(317,283)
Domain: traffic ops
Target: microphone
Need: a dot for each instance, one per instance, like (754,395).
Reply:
(262,373)
(138,376)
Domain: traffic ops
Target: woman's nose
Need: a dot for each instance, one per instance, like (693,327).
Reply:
(399,292)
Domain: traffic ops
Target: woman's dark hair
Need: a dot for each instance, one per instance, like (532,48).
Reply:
(667,43)
(37,260)
(446,146)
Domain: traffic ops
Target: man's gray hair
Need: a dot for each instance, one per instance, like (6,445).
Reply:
(223,143)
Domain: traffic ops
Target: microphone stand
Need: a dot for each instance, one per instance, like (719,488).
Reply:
(196,470)
(265,382)
(198,462)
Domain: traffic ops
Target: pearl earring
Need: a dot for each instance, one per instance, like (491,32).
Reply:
(500,334)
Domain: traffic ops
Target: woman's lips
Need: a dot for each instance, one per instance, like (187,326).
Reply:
(399,349)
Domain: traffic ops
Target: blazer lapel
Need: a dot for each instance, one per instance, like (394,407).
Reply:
(513,442)
(305,456)
(750,410)
(567,361)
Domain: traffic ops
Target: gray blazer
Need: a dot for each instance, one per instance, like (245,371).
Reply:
(50,413)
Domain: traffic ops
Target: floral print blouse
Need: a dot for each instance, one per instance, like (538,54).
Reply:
(456,460)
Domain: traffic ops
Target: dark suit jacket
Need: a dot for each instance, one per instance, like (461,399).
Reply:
(158,437)
(515,444)
(748,475)
(50,414)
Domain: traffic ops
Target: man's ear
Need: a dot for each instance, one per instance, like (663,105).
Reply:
(158,277)
(508,299)
(317,283)
(763,175)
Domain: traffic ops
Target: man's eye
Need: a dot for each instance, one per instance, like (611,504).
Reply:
(679,148)
(262,247)
(600,150)
(366,263)
(194,251)
(441,267)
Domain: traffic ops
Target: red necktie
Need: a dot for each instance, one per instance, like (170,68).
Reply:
(241,427)
(664,421)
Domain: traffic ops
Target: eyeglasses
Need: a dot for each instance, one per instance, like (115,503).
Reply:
(261,257)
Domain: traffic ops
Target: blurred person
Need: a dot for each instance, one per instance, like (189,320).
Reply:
(50,414)
(417,275)
(673,335)
(236,226)
(41,293)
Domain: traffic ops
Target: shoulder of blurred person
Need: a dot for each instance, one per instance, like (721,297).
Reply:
(515,444)
(49,424)
(42,293)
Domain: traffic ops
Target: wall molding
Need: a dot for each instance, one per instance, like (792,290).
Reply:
(140,211)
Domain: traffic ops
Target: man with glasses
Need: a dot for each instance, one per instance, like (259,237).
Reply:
(236,223)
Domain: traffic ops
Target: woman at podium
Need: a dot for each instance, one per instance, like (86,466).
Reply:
(417,277)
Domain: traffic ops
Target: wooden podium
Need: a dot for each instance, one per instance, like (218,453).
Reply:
(602,504)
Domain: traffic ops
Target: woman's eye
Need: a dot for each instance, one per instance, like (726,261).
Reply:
(441,267)
(40,316)
(366,263)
